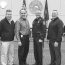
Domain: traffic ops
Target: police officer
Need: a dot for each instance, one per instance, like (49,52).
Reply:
(55,31)
(38,33)
(22,34)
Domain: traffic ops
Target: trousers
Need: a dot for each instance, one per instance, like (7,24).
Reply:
(38,52)
(23,50)
(55,53)
(7,53)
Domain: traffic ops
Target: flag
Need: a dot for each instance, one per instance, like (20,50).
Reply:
(24,3)
(46,13)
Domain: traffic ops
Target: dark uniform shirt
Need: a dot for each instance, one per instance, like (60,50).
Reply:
(39,28)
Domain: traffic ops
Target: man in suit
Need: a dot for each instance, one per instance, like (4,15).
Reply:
(38,33)
(7,36)
(55,32)
(22,34)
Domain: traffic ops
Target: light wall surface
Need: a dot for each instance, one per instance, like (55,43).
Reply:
(15,5)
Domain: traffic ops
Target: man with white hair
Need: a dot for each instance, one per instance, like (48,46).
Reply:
(55,32)
(22,29)
(38,33)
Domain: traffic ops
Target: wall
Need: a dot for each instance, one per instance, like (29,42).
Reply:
(15,5)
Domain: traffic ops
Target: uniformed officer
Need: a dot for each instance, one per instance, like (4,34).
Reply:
(38,33)
(22,34)
(55,31)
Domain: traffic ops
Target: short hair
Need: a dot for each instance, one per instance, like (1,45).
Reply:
(23,11)
(56,11)
(8,10)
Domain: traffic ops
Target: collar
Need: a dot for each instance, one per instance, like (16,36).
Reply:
(54,19)
(23,19)
(7,20)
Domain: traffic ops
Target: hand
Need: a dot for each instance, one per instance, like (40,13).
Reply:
(19,43)
(40,40)
(56,44)
(21,36)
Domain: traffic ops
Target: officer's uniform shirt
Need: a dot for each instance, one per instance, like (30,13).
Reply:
(39,27)
(22,26)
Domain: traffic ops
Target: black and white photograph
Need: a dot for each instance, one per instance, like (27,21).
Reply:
(32,32)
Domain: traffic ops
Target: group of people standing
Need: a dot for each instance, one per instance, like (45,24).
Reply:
(21,29)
